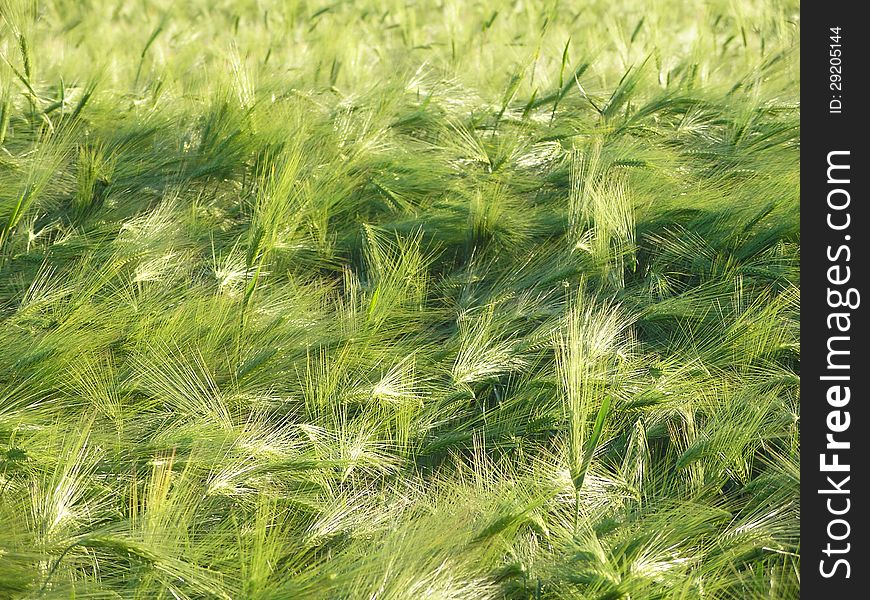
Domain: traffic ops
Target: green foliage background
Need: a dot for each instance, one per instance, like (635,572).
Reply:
(394,300)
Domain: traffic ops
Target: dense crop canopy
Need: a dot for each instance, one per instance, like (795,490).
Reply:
(399,300)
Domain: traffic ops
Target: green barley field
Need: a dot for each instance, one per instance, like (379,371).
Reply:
(399,300)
